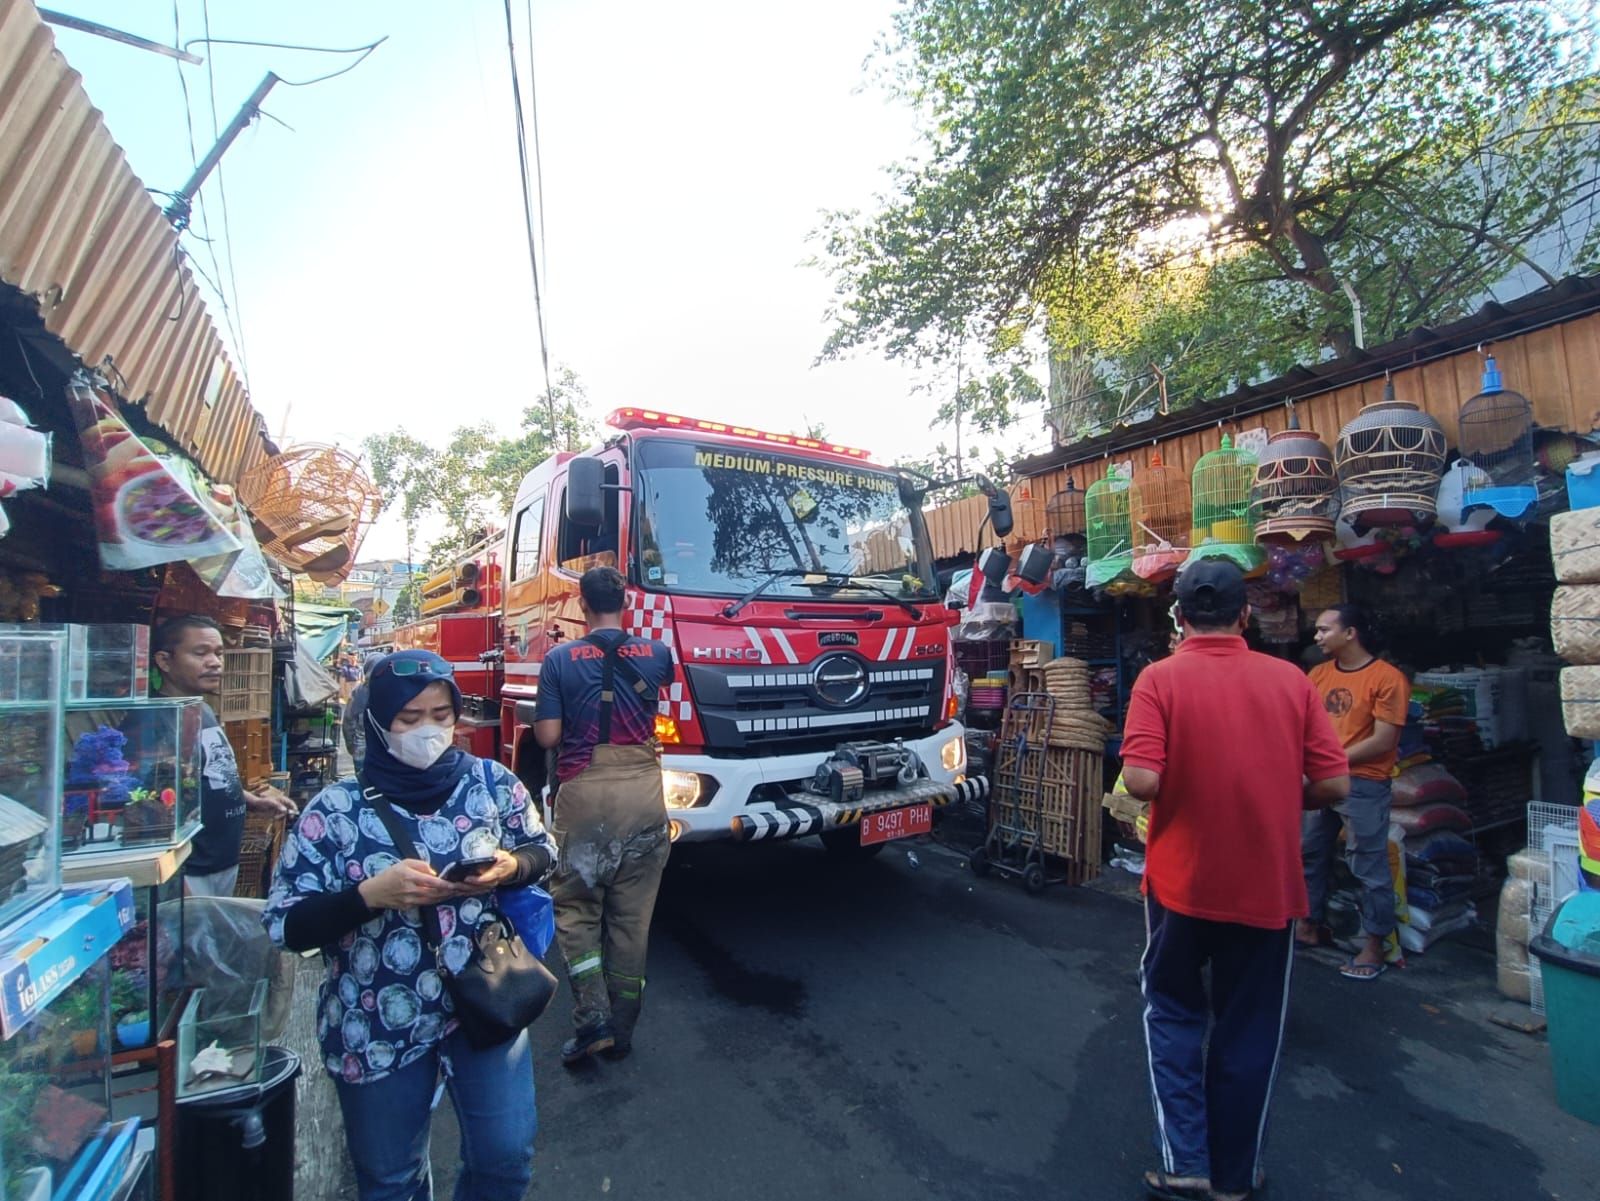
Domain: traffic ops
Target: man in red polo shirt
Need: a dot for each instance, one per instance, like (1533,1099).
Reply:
(1228,746)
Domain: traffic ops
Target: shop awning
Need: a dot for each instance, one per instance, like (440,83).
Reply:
(322,627)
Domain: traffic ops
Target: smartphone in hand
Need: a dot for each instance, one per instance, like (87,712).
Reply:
(455,873)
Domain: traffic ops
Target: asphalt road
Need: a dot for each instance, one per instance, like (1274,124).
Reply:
(883,1031)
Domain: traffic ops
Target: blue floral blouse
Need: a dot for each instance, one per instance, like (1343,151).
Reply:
(383,1004)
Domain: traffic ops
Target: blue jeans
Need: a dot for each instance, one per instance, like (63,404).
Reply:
(1364,816)
(386,1124)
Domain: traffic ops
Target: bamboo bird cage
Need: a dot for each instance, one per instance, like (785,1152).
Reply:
(1223,528)
(313,505)
(1109,529)
(1390,459)
(1295,495)
(1161,511)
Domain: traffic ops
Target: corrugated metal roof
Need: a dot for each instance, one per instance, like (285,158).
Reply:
(80,235)
(1554,362)
(1542,340)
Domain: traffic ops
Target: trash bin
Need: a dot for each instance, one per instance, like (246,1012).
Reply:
(1569,964)
(239,1143)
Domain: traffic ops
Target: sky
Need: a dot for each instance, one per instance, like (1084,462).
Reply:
(378,245)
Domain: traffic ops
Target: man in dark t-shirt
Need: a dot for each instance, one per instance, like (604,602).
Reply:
(188,652)
(597,704)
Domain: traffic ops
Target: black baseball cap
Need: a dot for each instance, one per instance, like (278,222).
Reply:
(1210,590)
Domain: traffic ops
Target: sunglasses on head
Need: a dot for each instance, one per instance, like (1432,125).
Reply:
(435,668)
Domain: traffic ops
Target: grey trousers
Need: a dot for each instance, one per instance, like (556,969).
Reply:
(1364,817)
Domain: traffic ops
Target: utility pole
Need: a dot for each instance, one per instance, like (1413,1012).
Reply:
(177,211)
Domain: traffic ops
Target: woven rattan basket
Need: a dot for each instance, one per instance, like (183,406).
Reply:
(1575,546)
(1580,701)
(1575,623)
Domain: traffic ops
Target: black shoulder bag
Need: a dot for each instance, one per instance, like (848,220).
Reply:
(504,987)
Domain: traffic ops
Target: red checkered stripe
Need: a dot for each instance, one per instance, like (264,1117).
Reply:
(649,615)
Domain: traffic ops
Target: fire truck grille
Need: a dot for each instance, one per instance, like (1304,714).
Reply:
(779,710)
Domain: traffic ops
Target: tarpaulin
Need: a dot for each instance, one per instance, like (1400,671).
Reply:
(322,627)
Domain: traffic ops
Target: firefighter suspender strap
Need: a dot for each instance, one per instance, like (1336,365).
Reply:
(615,663)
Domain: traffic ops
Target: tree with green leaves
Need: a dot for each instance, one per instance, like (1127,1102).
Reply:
(1158,177)
(472,480)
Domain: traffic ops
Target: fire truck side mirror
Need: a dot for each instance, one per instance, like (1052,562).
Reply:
(585,497)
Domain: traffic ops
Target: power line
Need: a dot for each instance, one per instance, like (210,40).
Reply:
(222,192)
(538,158)
(205,221)
(527,219)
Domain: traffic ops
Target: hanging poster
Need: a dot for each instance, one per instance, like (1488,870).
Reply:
(145,512)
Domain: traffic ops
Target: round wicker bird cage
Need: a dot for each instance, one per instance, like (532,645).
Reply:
(1160,511)
(314,504)
(1109,528)
(1390,459)
(1063,512)
(1497,436)
(1295,495)
(1223,528)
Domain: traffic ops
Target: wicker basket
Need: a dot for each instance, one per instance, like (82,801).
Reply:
(1575,623)
(1575,546)
(1580,701)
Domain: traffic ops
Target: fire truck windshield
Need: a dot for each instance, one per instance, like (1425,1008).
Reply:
(717,520)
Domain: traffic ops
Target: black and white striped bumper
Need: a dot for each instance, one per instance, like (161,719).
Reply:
(799,817)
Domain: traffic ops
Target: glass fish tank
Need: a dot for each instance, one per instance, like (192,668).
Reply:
(130,774)
(32,683)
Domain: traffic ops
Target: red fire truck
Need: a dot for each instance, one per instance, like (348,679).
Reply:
(814,684)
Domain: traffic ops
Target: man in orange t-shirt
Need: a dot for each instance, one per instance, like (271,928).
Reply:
(1367,700)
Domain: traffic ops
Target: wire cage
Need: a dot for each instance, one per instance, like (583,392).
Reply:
(1160,508)
(1063,512)
(1497,436)
(1295,495)
(1223,527)
(1108,525)
(314,505)
(1390,459)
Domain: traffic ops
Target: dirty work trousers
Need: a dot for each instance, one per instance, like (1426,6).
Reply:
(1364,815)
(611,824)
(1211,1100)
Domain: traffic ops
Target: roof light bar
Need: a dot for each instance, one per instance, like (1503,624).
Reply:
(636,419)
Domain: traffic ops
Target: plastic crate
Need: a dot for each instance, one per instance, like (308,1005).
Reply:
(1547,824)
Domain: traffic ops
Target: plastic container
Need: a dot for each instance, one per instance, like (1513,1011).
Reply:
(1569,956)
(239,1143)
(1583,483)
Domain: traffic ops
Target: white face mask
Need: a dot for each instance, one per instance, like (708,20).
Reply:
(421,746)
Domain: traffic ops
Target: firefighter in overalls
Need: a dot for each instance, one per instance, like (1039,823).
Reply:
(597,707)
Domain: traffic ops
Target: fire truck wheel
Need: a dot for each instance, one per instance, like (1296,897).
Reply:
(846,845)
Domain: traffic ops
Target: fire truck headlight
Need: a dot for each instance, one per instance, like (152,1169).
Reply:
(682,788)
(953,755)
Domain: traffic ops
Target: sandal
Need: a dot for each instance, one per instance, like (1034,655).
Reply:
(1164,1187)
(1351,970)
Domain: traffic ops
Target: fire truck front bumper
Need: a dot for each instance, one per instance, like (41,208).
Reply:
(748,800)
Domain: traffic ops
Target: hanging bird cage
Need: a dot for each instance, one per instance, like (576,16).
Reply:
(1390,460)
(1223,528)
(1160,510)
(1109,528)
(1497,436)
(1064,512)
(1295,495)
(313,505)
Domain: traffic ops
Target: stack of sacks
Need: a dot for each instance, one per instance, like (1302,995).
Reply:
(1076,724)
(1441,870)
(1515,926)
(1575,617)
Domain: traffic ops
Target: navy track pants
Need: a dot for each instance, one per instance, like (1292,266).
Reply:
(1211,1098)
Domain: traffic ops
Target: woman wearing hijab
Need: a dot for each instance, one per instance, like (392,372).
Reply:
(386,1024)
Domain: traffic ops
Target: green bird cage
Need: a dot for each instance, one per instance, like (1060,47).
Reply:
(1223,525)
(1108,518)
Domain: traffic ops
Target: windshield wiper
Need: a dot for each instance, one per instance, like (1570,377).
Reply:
(818,579)
(731,609)
(844,580)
